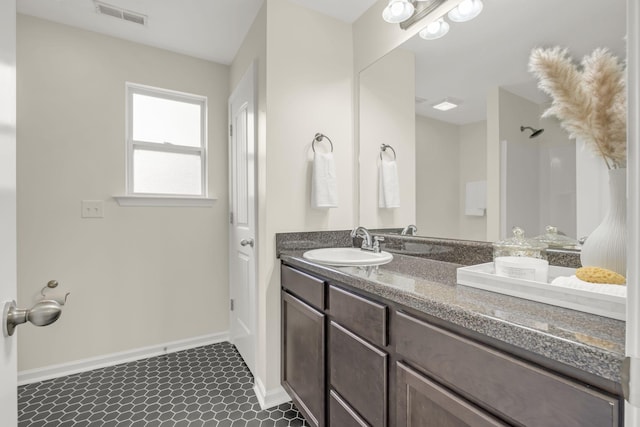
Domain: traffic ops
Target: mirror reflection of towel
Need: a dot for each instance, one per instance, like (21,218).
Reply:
(389,185)
(324,185)
(475,199)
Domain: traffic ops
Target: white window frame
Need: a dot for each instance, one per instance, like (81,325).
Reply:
(164,199)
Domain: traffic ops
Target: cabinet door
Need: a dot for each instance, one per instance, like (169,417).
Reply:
(303,360)
(358,372)
(423,403)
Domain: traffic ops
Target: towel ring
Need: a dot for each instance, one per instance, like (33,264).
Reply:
(318,138)
(384,147)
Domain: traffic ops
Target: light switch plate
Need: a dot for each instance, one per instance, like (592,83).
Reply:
(92,209)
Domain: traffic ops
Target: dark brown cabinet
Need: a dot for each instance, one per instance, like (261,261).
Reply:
(358,372)
(303,357)
(519,391)
(353,360)
(424,403)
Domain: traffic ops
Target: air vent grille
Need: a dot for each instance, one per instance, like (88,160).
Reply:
(117,12)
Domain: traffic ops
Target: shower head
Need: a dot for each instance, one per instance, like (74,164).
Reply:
(534,132)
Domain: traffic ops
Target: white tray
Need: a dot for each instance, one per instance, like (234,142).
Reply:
(482,276)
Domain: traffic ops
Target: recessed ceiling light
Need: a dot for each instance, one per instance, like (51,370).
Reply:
(445,106)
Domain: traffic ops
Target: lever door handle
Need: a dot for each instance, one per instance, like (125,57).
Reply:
(246,242)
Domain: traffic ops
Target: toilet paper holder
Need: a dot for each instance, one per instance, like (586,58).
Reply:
(52,284)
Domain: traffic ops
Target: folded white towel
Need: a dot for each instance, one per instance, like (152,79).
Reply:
(575,283)
(475,199)
(324,185)
(389,185)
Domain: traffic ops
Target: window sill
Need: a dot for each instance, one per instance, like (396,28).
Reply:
(165,201)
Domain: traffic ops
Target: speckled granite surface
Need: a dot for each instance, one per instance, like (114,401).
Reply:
(587,342)
(465,252)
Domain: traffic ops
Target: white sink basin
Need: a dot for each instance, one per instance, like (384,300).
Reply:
(343,257)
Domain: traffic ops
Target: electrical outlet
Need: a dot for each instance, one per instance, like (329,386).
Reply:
(92,209)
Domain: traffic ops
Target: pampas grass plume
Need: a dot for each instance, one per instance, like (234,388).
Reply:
(590,103)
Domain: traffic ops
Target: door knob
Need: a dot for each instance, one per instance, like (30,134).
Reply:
(246,242)
(43,313)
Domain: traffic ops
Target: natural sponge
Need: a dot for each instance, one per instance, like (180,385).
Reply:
(600,275)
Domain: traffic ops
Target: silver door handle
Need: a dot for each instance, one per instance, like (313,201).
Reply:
(43,313)
(246,242)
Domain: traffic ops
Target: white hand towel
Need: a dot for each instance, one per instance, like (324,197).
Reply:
(389,185)
(324,186)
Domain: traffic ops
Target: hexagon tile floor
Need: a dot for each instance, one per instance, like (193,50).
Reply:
(203,387)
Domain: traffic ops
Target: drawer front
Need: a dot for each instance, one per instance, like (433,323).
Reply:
(362,316)
(307,288)
(341,414)
(358,372)
(423,403)
(519,392)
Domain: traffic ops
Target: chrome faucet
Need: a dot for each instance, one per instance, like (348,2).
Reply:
(366,237)
(368,243)
(409,230)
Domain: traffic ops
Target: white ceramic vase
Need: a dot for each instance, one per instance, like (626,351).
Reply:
(606,246)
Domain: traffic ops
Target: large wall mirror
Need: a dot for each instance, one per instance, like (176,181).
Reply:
(475,171)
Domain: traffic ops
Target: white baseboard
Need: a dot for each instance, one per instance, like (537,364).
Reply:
(83,365)
(271,398)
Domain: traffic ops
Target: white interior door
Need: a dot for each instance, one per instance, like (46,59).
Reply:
(8,358)
(242,230)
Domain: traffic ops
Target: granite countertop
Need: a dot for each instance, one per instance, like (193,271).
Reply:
(590,343)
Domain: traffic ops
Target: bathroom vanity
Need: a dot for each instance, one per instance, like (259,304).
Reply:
(402,345)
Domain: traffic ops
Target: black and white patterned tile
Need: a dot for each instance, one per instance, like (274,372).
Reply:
(203,387)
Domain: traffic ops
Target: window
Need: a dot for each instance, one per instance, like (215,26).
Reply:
(166,143)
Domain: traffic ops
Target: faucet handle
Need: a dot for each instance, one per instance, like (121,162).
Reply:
(376,243)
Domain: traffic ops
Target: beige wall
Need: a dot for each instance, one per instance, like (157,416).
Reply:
(387,116)
(437,178)
(142,275)
(473,167)
(309,90)
(447,157)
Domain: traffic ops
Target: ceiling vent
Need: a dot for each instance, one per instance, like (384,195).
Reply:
(117,12)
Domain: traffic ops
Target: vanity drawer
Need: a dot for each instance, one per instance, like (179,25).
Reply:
(341,414)
(358,372)
(513,389)
(362,316)
(305,287)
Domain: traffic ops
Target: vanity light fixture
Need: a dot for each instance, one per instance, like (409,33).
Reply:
(435,30)
(398,11)
(409,12)
(466,11)
(445,105)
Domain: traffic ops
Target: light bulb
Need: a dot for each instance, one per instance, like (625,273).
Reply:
(397,11)
(465,7)
(466,10)
(435,30)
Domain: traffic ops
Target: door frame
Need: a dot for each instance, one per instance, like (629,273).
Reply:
(632,405)
(8,213)
(249,76)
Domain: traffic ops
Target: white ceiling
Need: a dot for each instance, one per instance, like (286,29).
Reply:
(493,50)
(344,10)
(208,29)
